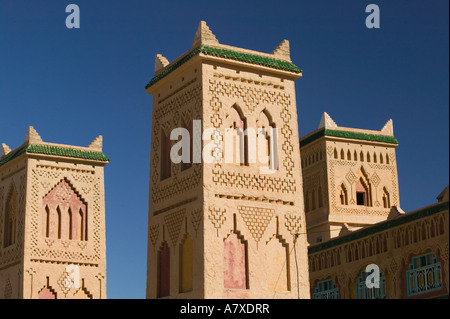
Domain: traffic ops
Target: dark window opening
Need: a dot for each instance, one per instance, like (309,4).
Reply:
(360,198)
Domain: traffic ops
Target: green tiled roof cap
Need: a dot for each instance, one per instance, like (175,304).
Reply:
(352,135)
(232,55)
(57,151)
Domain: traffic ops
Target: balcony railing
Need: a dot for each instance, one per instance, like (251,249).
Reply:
(424,279)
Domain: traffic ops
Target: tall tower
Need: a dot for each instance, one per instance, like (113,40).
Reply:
(52,220)
(232,227)
(349,178)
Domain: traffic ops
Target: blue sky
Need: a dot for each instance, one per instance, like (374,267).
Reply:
(75,84)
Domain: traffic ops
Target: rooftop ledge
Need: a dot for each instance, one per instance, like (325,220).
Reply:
(347,134)
(227,54)
(55,151)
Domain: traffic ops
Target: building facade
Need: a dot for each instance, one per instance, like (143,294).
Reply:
(222,224)
(356,229)
(52,220)
(410,252)
(350,178)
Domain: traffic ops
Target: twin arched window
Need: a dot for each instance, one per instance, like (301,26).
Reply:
(245,145)
(65,213)
(9,230)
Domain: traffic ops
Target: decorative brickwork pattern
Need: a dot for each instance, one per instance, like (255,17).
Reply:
(351,178)
(253,182)
(173,222)
(164,116)
(196,218)
(57,249)
(13,253)
(252,98)
(293,223)
(153,233)
(256,219)
(217,217)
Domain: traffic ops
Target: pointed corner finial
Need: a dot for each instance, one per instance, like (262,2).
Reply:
(326,121)
(5,150)
(283,51)
(388,128)
(204,35)
(160,62)
(345,230)
(97,143)
(32,136)
(395,212)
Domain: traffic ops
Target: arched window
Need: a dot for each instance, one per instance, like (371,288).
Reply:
(277,264)
(361,194)
(64,213)
(70,224)
(342,154)
(186,264)
(10,217)
(363,189)
(343,195)
(267,142)
(424,231)
(47,222)
(313,200)
(364,292)
(386,198)
(381,158)
(82,225)
(163,284)
(47,292)
(432,228)
(374,157)
(326,289)
(335,153)
(235,262)
(165,167)
(441,226)
(349,155)
(189,128)
(59,222)
(236,140)
(368,157)
(406,241)
(361,156)
(387,159)
(306,201)
(320,196)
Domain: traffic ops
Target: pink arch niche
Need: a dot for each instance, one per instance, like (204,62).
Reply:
(64,213)
(235,262)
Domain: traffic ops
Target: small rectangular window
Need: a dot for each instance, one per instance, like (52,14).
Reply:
(360,199)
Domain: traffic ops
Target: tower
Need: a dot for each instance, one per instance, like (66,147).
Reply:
(349,178)
(228,224)
(52,220)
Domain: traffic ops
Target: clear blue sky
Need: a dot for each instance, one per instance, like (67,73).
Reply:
(73,85)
